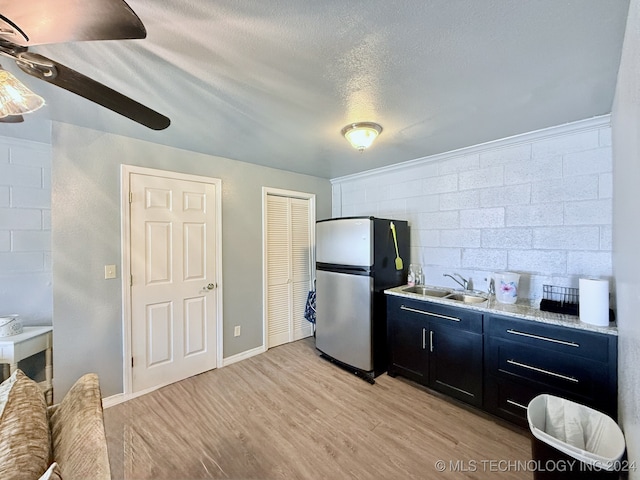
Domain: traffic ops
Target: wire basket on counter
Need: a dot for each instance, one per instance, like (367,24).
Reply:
(560,299)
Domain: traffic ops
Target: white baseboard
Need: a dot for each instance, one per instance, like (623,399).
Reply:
(243,355)
(124,397)
(114,400)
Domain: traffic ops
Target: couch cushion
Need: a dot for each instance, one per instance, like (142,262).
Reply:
(77,430)
(52,473)
(25,442)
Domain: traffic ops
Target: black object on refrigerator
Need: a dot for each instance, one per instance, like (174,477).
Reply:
(356,261)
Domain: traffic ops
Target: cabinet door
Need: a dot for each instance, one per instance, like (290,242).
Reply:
(455,363)
(408,352)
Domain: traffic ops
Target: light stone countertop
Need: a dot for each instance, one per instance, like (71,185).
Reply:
(524,309)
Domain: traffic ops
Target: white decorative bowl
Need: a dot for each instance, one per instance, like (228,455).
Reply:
(10,325)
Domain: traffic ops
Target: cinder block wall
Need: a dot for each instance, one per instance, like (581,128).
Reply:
(25,237)
(25,230)
(539,204)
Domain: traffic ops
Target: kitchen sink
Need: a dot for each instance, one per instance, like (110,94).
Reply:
(466,298)
(426,291)
(456,296)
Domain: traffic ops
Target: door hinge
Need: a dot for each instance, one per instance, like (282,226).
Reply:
(130,197)
(131,362)
(131,280)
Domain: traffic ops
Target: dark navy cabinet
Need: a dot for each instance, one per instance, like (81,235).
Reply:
(523,359)
(499,363)
(437,346)
(407,336)
(455,363)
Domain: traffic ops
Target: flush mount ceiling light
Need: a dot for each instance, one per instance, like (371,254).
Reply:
(15,97)
(362,134)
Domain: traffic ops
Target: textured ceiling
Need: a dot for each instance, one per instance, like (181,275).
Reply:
(273,82)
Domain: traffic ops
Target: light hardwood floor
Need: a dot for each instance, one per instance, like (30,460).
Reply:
(289,414)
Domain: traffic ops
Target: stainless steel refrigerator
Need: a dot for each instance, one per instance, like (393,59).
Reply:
(355,263)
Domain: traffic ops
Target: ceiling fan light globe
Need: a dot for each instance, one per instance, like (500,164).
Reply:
(361,135)
(15,97)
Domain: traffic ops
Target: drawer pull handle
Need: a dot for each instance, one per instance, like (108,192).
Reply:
(424,341)
(541,370)
(511,402)
(546,339)
(414,310)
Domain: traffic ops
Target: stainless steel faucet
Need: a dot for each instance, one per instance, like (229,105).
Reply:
(464,283)
(492,286)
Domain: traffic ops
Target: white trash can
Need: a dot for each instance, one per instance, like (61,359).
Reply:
(573,441)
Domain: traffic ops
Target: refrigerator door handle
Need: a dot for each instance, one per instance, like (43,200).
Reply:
(349,270)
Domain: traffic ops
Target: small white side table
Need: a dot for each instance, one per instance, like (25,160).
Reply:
(31,341)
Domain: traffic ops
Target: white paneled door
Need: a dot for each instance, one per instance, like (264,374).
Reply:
(173,279)
(289,222)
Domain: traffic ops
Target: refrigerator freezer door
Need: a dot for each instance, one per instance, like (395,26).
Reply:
(343,318)
(345,241)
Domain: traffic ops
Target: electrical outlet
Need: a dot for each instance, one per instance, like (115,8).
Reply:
(109,271)
(236,331)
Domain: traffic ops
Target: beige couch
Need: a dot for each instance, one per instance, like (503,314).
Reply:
(65,441)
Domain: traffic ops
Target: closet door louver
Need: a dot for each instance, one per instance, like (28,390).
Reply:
(300,265)
(288,268)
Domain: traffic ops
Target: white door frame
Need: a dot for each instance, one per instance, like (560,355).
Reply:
(312,236)
(125,173)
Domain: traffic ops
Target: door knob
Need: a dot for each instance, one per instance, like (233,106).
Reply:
(211,286)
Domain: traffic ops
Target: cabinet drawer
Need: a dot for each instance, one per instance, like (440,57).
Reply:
(440,314)
(509,399)
(566,372)
(592,345)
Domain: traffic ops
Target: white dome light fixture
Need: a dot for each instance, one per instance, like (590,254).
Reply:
(362,134)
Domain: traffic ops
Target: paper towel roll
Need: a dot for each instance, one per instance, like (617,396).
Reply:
(594,301)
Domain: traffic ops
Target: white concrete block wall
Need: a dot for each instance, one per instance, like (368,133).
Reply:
(25,230)
(539,204)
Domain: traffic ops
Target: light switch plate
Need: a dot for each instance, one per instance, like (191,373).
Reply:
(236,331)
(109,271)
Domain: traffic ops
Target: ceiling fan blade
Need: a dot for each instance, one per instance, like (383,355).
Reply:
(36,22)
(64,77)
(12,119)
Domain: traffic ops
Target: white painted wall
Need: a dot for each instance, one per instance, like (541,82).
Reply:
(626,232)
(25,230)
(538,204)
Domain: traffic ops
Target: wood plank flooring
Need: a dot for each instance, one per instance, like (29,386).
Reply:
(289,414)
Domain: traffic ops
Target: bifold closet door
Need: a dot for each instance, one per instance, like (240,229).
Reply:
(289,268)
